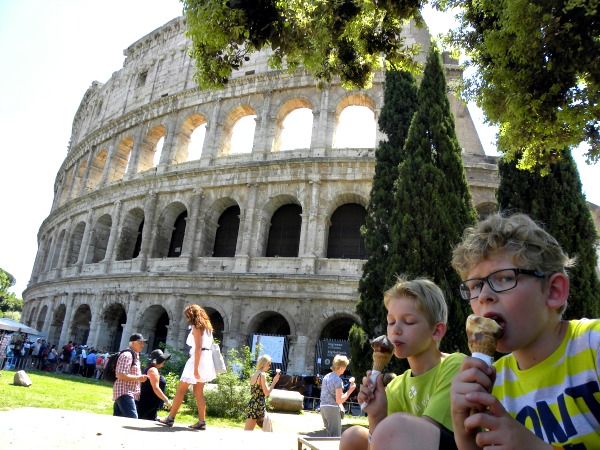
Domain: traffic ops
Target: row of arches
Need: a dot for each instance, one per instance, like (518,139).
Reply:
(220,234)
(140,151)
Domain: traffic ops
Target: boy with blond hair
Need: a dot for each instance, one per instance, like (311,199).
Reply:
(546,392)
(414,411)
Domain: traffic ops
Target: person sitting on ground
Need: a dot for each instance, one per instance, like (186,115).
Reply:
(545,393)
(126,389)
(333,395)
(153,391)
(259,391)
(413,412)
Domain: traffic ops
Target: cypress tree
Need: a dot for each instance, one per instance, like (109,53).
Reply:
(555,200)
(433,203)
(400,103)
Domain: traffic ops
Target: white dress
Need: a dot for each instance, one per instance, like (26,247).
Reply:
(207,367)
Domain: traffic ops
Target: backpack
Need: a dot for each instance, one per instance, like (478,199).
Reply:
(109,373)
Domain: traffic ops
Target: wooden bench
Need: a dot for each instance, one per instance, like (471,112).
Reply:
(318,443)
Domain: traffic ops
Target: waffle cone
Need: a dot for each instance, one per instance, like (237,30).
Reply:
(380,360)
(486,344)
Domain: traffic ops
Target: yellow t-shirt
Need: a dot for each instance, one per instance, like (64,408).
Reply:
(559,398)
(427,394)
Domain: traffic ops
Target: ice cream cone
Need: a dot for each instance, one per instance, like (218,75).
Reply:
(483,334)
(380,360)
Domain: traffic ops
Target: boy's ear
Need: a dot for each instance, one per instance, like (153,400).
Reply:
(558,290)
(439,330)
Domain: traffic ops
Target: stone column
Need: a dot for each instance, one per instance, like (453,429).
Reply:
(245,236)
(115,231)
(314,244)
(261,145)
(109,157)
(49,317)
(177,329)
(189,249)
(148,231)
(65,246)
(64,332)
(134,156)
(131,316)
(211,140)
(234,338)
(88,169)
(167,155)
(323,138)
(95,322)
(85,241)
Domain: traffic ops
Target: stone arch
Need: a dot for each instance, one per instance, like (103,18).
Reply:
(183,139)
(173,214)
(110,329)
(271,322)
(47,250)
(267,213)
(131,235)
(31,316)
(75,241)
(80,325)
(284,112)
(60,241)
(485,209)
(354,129)
(77,188)
(229,124)
(217,319)
(344,239)
(341,198)
(211,223)
(64,196)
(41,319)
(148,147)
(154,324)
(120,160)
(97,169)
(338,326)
(56,324)
(99,239)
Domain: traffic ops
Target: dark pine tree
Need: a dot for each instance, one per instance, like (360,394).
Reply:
(556,201)
(400,104)
(433,203)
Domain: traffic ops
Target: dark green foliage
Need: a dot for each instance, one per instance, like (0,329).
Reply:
(9,303)
(556,201)
(400,103)
(433,203)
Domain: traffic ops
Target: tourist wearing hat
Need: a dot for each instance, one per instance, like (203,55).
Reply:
(152,395)
(126,389)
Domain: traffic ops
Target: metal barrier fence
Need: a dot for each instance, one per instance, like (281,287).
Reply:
(314,404)
(23,363)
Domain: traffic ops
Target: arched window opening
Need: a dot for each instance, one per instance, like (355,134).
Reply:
(138,241)
(99,240)
(47,250)
(242,135)
(356,128)
(177,236)
(78,180)
(120,161)
(158,152)
(75,244)
(284,233)
(131,235)
(196,143)
(57,249)
(41,318)
(227,233)
(345,240)
(96,170)
(296,129)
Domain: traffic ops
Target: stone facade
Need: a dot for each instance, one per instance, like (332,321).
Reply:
(129,243)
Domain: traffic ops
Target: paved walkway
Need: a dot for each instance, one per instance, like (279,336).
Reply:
(49,429)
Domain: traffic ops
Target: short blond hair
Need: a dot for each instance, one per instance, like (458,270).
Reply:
(339,361)
(518,235)
(428,297)
(262,362)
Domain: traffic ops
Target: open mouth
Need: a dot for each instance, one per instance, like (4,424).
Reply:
(499,320)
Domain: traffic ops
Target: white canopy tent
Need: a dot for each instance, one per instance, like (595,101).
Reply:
(12,325)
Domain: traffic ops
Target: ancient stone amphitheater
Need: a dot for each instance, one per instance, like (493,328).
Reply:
(263,235)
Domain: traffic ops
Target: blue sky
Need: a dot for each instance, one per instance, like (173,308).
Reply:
(52,51)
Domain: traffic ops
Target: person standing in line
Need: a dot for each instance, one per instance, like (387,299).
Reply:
(152,395)
(332,395)
(129,376)
(259,391)
(90,363)
(199,368)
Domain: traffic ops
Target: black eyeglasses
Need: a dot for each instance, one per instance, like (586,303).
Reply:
(499,281)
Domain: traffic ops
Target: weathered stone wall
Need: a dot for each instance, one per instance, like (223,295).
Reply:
(87,286)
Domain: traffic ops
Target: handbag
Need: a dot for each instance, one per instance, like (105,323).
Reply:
(218,360)
(267,423)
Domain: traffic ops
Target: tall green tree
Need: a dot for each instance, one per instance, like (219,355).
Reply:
(400,104)
(556,201)
(9,303)
(433,203)
(537,72)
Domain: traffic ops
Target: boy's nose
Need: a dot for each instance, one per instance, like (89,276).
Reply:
(487,294)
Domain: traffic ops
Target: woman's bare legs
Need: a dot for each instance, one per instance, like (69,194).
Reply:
(182,388)
(200,401)
(250,424)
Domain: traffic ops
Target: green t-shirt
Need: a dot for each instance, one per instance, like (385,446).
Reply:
(427,394)
(559,398)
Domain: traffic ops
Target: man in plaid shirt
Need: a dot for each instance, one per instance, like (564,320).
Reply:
(126,389)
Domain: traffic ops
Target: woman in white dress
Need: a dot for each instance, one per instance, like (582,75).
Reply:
(199,368)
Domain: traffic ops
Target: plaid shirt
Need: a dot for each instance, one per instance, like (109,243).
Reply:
(131,388)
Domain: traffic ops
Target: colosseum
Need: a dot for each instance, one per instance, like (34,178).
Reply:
(162,201)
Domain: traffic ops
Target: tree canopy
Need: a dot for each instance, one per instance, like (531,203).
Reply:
(329,38)
(8,301)
(537,73)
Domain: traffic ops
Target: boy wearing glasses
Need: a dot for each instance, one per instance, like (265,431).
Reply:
(546,392)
